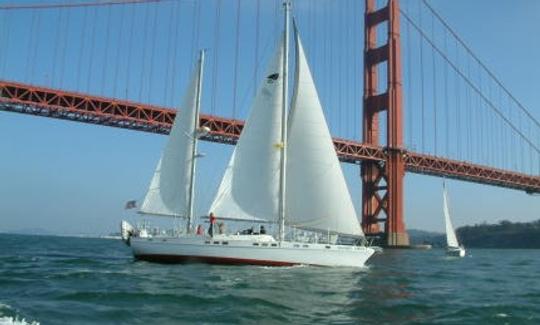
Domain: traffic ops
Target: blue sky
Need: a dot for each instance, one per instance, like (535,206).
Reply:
(74,178)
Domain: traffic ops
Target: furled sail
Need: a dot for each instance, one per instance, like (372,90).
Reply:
(169,189)
(451,239)
(249,188)
(317,194)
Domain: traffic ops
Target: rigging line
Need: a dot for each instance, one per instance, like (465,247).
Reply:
(215,63)
(236,50)
(81,48)
(471,84)
(117,57)
(492,75)
(75,5)
(129,55)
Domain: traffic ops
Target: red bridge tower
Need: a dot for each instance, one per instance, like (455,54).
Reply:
(383,181)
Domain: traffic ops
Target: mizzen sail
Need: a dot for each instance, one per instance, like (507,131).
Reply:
(168,193)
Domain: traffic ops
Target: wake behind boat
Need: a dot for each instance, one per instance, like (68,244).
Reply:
(284,171)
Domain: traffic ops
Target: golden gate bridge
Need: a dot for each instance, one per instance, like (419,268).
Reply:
(429,105)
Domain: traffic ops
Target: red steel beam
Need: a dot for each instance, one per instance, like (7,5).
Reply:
(73,106)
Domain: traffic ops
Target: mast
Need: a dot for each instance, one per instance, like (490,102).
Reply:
(284,112)
(194,138)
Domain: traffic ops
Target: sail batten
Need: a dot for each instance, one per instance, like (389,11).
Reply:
(317,194)
(168,193)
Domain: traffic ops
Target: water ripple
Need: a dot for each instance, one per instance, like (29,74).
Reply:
(77,280)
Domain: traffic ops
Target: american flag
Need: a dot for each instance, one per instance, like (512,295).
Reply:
(130,205)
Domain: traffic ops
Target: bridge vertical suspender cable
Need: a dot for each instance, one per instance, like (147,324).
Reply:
(236,53)
(82,38)
(119,45)
(215,63)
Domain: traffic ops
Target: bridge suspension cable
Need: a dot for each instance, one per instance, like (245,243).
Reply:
(71,4)
(481,121)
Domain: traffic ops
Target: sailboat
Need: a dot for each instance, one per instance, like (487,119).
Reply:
(284,170)
(453,248)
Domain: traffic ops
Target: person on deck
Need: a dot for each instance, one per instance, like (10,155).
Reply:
(212,224)
(200,230)
(221,228)
(262,231)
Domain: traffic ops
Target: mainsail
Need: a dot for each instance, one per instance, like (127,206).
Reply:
(249,188)
(317,194)
(451,239)
(168,194)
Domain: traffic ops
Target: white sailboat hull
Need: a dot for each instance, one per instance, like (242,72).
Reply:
(250,249)
(455,251)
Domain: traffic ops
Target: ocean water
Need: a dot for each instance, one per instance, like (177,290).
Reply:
(64,280)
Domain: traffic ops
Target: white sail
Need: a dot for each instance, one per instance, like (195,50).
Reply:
(169,189)
(451,239)
(249,188)
(317,194)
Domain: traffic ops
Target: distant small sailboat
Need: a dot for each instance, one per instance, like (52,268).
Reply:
(453,248)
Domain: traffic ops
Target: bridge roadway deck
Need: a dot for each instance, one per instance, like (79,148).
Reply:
(73,106)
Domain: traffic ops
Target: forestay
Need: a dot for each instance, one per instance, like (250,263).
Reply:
(169,189)
(317,194)
(249,188)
